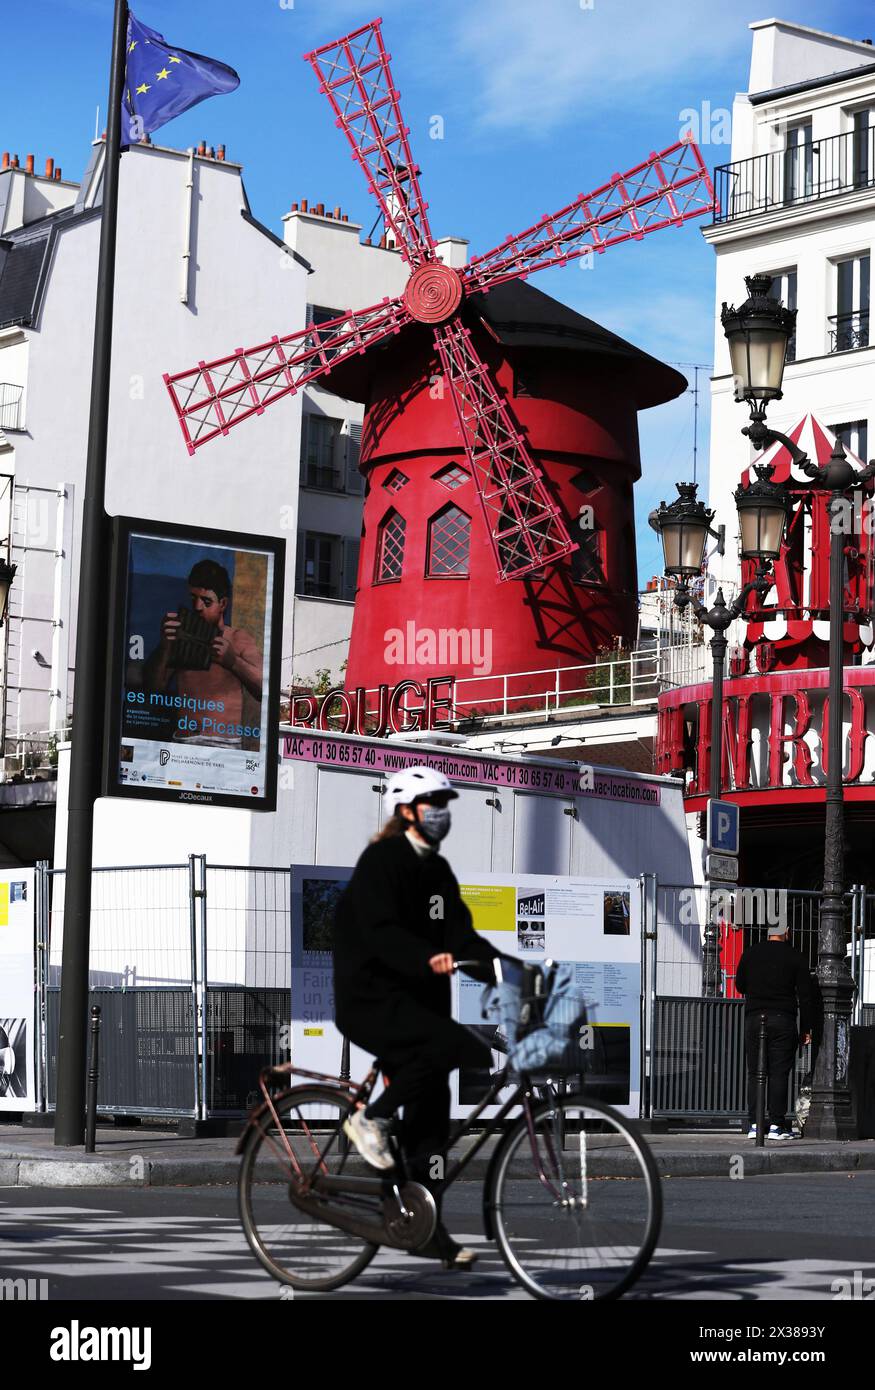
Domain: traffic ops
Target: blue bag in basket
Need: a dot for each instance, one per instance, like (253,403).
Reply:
(541,1024)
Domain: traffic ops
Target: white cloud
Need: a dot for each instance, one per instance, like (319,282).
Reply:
(533,66)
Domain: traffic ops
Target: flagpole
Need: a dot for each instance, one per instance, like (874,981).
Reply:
(91,632)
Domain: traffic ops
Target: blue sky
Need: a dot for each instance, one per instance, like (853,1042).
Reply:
(540,99)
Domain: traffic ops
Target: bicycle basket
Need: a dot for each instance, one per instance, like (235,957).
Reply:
(542,1013)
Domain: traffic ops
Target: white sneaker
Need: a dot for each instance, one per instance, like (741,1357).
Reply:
(371,1138)
(778,1132)
(752,1132)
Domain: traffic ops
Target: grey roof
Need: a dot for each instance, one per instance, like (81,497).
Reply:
(22,275)
(810,84)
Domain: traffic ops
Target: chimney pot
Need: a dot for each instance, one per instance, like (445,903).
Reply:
(57,173)
(211,153)
(303,204)
(15,161)
(103,136)
(345,217)
(202,147)
(28,167)
(368,241)
(294,207)
(320,209)
(5,164)
(220,152)
(50,168)
(337,213)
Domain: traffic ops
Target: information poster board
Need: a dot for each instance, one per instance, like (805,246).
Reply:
(17,991)
(593,923)
(195,665)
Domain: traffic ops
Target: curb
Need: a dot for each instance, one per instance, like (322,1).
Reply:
(26,1170)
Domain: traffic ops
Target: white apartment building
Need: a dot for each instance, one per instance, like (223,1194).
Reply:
(797,201)
(348,272)
(197,275)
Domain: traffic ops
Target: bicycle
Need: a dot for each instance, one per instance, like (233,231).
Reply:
(571,1194)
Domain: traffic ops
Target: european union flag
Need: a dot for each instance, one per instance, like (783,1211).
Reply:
(162,81)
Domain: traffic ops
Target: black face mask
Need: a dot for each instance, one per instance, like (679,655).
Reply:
(434,823)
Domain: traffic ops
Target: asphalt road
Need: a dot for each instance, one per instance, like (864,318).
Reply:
(772,1238)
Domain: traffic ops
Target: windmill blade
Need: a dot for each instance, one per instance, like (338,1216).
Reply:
(354,74)
(666,190)
(525,526)
(214,396)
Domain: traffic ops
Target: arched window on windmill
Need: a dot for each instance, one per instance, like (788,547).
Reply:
(449,544)
(588,560)
(390,547)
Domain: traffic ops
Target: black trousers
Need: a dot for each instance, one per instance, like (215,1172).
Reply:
(418,1058)
(782,1040)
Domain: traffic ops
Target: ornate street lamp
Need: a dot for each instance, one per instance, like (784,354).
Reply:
(684,527)
(763,508)
(757,333)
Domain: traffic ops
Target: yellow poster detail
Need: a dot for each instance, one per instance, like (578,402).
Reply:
(492,905)
(313,1032)
(4,904)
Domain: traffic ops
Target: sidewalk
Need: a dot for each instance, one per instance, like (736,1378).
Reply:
(160,1158)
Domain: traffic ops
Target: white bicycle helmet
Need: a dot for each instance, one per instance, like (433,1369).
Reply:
(404,787)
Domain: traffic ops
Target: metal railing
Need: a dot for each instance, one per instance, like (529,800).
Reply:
(10,406)
(850,331)
(191,966)
(795,176)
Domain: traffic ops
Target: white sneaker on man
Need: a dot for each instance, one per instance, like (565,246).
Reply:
(371,1138)
(779,1132)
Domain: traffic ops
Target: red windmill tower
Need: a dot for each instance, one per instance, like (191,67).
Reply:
(461,486)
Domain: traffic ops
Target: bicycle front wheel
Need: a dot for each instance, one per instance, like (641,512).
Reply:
(576,1201)
(295,1247)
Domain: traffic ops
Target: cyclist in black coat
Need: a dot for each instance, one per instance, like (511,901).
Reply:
(398,929)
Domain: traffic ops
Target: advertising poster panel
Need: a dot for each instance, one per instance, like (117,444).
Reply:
(593,923)
(194,694)
(17,991)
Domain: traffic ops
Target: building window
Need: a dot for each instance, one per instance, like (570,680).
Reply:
(527,381)
(783,287)
(587,561)
(395,480)
(798,163)
(319,313)
(390,547)
(449,543)
(452,476)
(586,481)
(320,452)
(849,325)
(854,436)
(863,126)
(321,577)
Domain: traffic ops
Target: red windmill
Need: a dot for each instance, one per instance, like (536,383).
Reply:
(522,520)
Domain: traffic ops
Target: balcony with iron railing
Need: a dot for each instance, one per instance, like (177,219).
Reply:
(11,414)
(796,176)
(849,331)
(326,479)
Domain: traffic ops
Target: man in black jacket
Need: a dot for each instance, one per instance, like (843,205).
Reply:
(774,979)
(399,927)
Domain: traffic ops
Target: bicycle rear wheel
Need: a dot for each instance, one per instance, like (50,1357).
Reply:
(295,1247)
(576,1201)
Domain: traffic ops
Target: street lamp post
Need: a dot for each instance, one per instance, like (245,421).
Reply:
(764,323)
(684,527)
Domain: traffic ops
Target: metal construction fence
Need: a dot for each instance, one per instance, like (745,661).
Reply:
(191,966)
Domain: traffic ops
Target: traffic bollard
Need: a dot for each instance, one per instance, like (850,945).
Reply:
(761,1084)
(93,1074)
